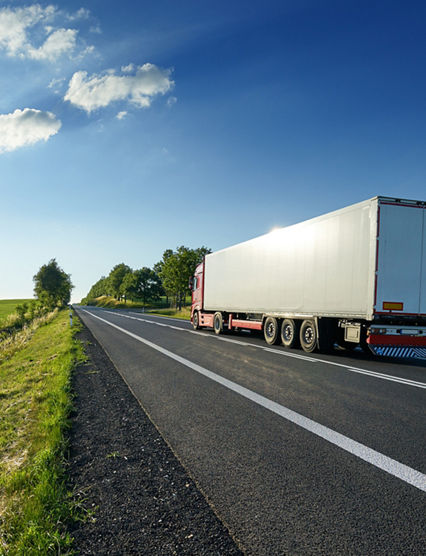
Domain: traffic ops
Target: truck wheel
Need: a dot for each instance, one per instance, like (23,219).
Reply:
(218,323)
(271,331)
(308,336)
(196,320)
(289,333)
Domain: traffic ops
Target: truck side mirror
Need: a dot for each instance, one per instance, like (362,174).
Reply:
(191,282)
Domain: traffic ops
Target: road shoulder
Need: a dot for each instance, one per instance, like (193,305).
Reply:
(142,498)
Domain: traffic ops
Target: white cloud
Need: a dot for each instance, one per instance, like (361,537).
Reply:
(82,13)
(26,127)
(15,22)
(56,84)
(128,69)
(29,32)
(171,101)
(56,44)
(121,115)
(99,90)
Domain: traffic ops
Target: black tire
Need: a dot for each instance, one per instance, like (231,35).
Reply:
(290,333)
(308,336)
(218,323)
(196,320)
(271,331)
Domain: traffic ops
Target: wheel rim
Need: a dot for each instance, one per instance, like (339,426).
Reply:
(288,333)
(270,330)
(309,335)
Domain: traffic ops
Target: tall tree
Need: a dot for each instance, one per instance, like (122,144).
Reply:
(52,286)
(99,288)
(200,253)
(116,277)
(148,285)
(128,286)
(158,268)
(177,267)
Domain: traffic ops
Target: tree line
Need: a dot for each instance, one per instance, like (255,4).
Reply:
(169,277)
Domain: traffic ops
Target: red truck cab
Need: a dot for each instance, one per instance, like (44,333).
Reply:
(197,295)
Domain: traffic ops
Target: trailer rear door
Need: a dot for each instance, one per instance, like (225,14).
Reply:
(401,262)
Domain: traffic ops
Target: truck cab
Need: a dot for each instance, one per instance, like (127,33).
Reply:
(197,295)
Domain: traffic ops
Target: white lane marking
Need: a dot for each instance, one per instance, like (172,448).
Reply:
(389,465)
(373,374)
(387,377)
(295,355)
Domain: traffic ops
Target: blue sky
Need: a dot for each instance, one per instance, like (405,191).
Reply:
(130,128)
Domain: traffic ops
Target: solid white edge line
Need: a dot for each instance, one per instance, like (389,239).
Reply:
(373,374)
(407,474)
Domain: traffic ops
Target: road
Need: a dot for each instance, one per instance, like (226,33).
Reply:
(296,453)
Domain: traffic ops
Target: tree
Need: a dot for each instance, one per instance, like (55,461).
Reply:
(177,267)
(128,286)
(101,287)
(142,284)
(158,268)
(52,286)
(116,277)
(148,284)
(200,253)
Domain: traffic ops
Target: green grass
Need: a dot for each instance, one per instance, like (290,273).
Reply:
(35,402)
(7,306)
(184,314)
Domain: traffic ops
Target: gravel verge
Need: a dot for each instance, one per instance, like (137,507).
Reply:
(143,500)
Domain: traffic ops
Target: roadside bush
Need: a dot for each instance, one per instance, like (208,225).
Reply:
(21,311)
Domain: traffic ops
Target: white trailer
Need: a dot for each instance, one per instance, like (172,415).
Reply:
(355,275)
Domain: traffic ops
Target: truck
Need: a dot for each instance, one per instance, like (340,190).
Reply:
(352,277)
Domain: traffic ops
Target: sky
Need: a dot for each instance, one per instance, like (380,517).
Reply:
(134,127)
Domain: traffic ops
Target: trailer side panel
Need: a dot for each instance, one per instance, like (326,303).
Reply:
(324,266)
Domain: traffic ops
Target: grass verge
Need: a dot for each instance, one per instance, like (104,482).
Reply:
(184,314)
(35,402)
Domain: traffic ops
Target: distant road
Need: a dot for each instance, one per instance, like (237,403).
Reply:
(297,453)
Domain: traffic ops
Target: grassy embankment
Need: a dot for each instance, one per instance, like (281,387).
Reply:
(106,301)
(35,401)
(8,306)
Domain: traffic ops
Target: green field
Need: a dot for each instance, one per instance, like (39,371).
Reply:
(35,401)
(7,306)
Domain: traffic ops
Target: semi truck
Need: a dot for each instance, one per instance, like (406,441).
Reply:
(352,277)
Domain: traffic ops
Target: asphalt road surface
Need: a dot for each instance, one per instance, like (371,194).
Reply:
(296,453)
